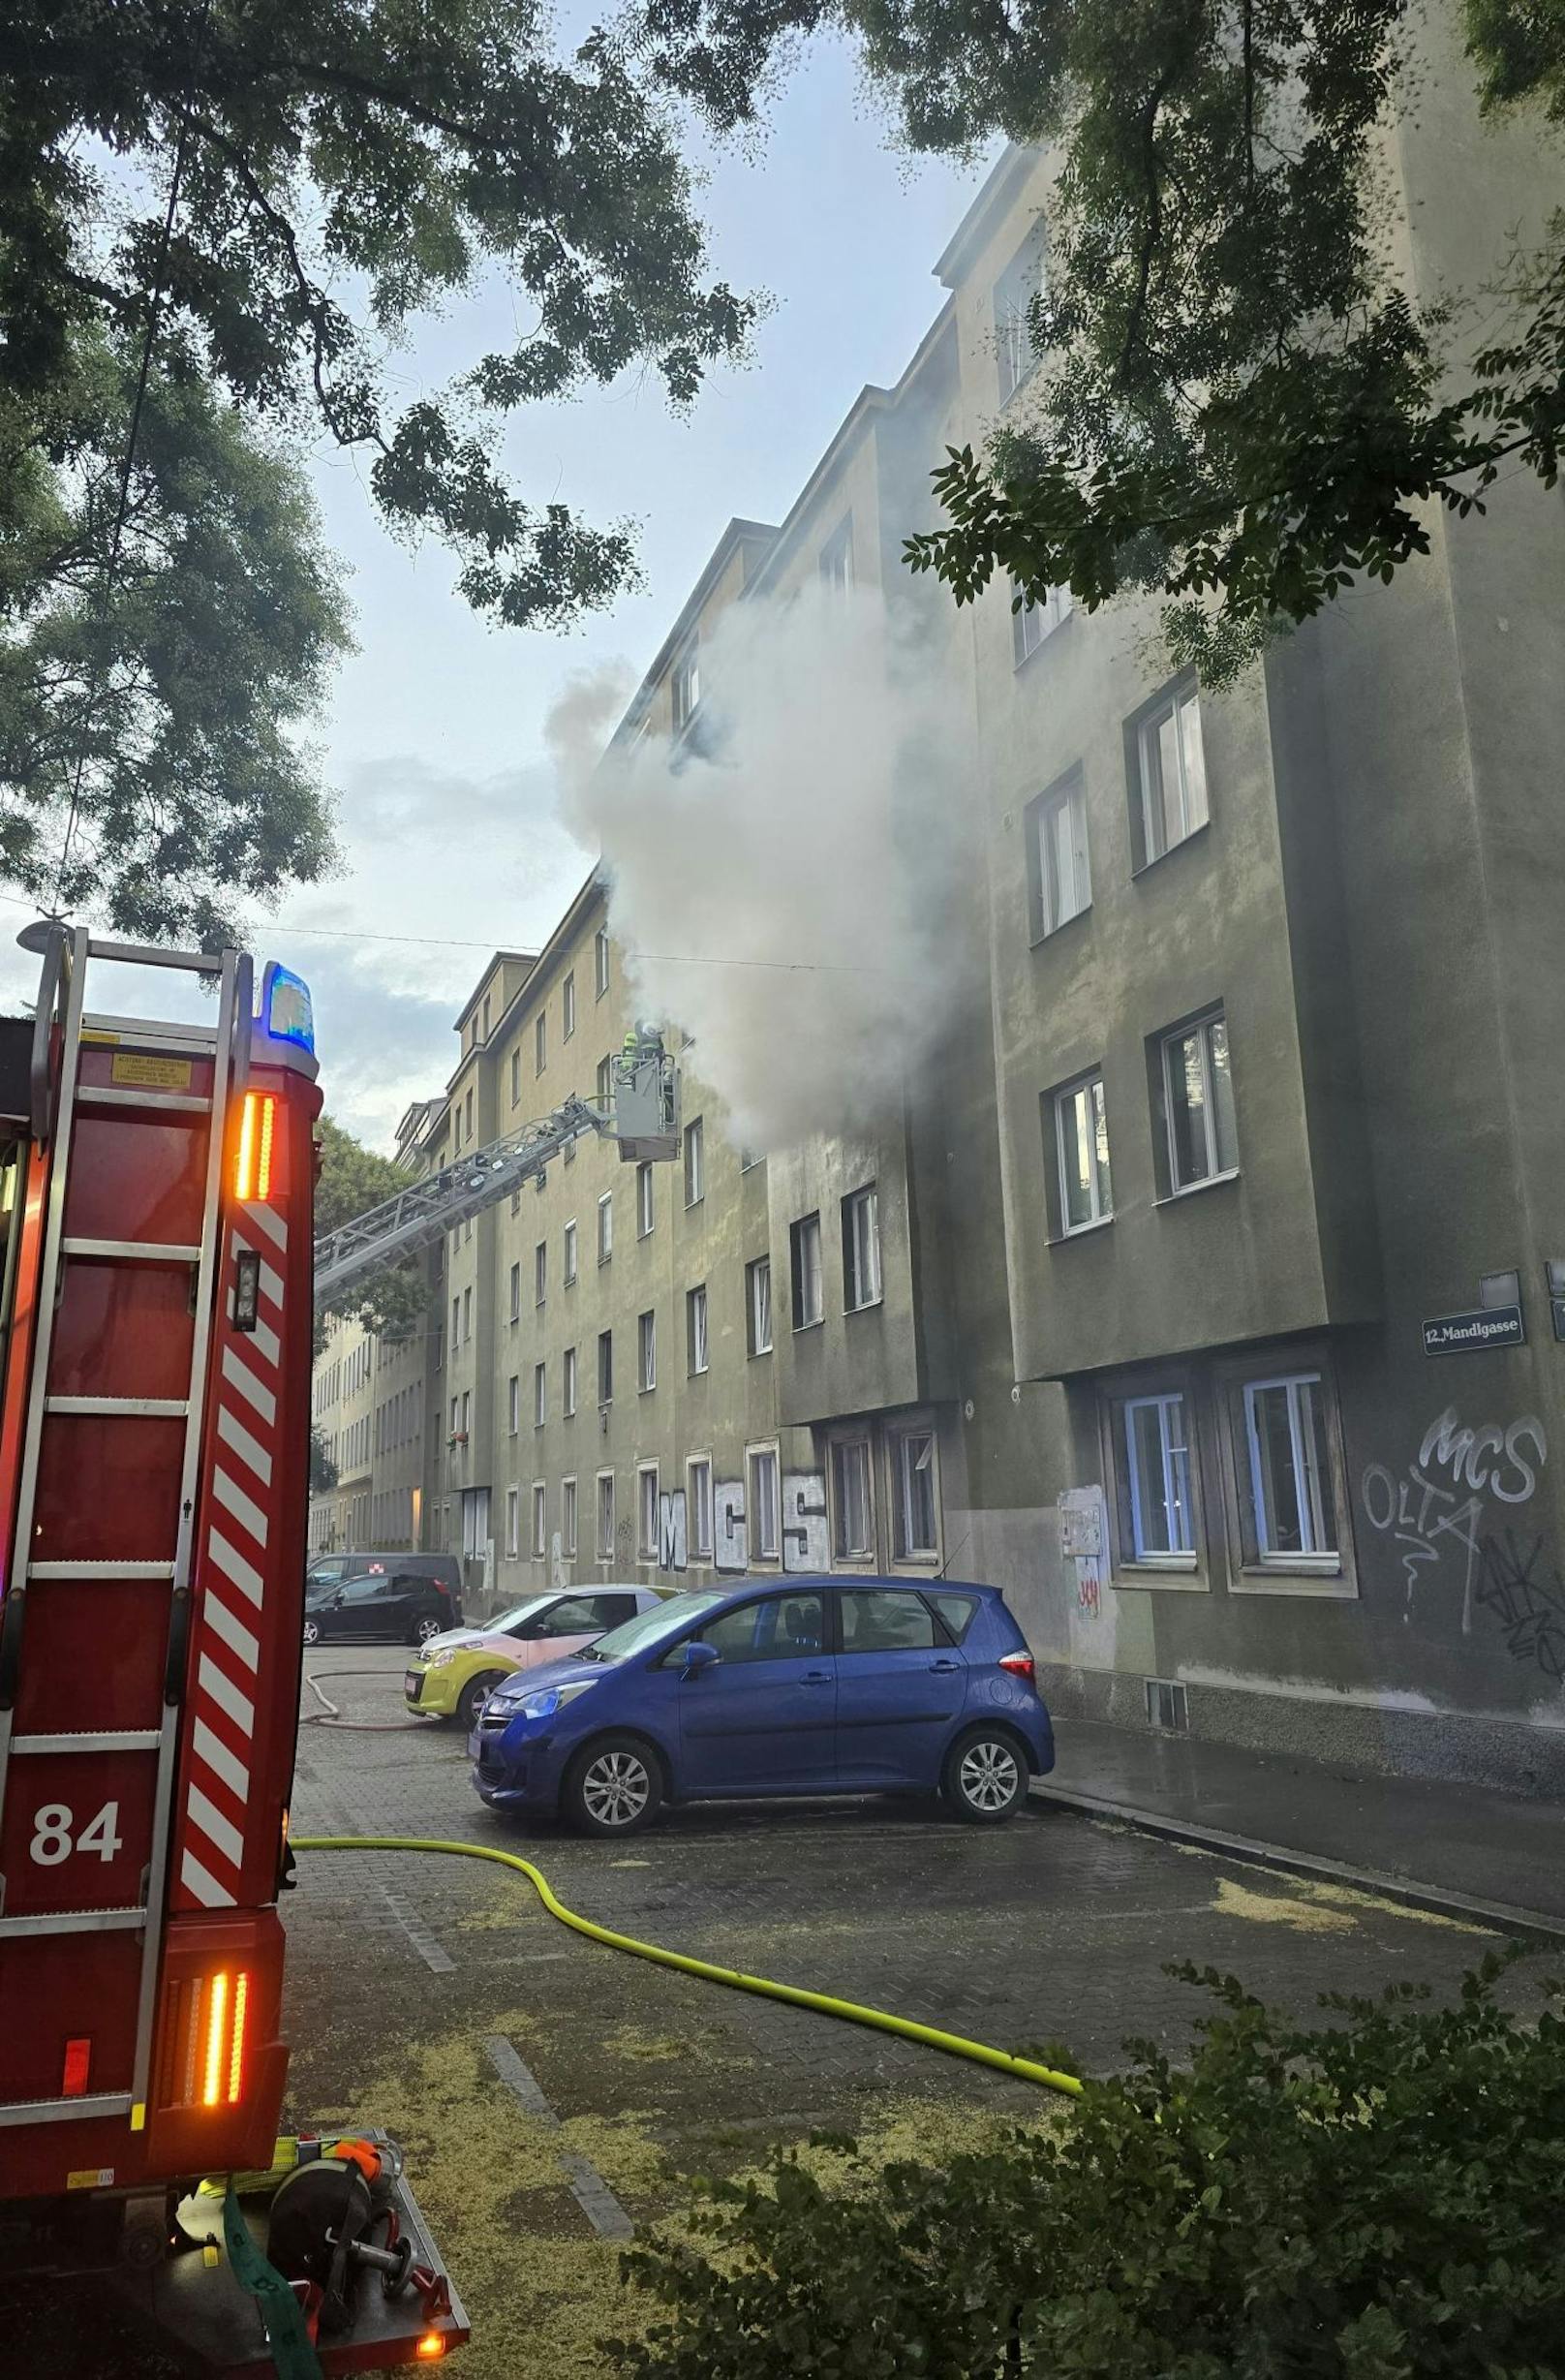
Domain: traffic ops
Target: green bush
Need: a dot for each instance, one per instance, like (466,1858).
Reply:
(1381,2197)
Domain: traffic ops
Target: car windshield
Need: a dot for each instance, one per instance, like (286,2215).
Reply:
(504,1624)
(649,1627)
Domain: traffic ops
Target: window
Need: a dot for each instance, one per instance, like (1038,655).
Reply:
(647,1350)
(486,1016)
(567,1382)
(1198,1090)
(1060,879)
(468,1110)
(687,687)
(1294,1507)
(568,1518)
(861,1250)
(456,1323)
(541,1272)
(466,1314)
(1157,1471)
(1031,623)
(647,1512)
(513,1403)
(748,1159)
(605,1081)
(606,1228)
(540,1522)
(541,1395)
(1081,1149)
(645,1208)
(570,1253)
(466,1412)
(786,1627)
(758,1304)
(914,1505)
(694,1164)
(696,1328)
(837,560)
(1171,772)
(515,1295)
(1018,286)
(886,1619)
(515,1077)
(567,1006)
(605,1366)
(698,1508)
(541,1040)
(809,1303)
(457,1408)
(852,1500)
(601,961)
(605,1516)
(765,1504)
(514,1522)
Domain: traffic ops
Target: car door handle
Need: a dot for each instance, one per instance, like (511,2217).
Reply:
(940,1665)
(816,1677)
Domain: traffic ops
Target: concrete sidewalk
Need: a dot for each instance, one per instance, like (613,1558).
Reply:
(1465,1848)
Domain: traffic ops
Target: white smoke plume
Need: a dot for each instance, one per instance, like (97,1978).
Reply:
(781,882)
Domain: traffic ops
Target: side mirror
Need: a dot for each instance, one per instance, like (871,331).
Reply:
(699,1657)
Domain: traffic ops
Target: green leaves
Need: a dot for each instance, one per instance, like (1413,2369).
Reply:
(393,1304)
(347,169)
(1377,2199)
(173,713)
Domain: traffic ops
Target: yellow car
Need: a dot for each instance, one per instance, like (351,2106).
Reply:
(451,1673)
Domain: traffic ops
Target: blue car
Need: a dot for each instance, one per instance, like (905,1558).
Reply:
(803,1685)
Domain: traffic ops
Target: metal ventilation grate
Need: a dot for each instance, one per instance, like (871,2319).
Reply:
(1166,1706)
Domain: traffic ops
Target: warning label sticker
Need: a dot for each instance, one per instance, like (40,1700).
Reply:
(151,1073)
(90,2177)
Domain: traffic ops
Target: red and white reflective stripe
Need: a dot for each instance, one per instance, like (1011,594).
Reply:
(231,1576)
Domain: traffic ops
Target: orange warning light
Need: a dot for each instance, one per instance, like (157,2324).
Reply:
(241,1994)
(253,1169)
(431,2347)
(217,2009)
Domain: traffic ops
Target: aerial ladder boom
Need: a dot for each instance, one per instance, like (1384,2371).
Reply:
(642,1116)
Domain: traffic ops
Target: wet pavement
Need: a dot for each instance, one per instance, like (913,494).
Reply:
(550,2091)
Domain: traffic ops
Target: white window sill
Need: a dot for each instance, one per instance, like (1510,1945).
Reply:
(1193,1189)
(1046,639)
(1168,852)
(1327,1585)
(868,1306)
(1049,932)
(756,1353)
(1079,1231)
(818,1323)
(698,1373)
(698,1201)
(1178,1575)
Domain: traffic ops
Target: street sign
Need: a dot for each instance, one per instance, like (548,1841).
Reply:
(1467,1334)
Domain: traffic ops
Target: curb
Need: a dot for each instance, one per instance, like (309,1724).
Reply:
(1528,1925)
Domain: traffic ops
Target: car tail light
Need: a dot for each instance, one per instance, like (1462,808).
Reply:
(1020,1665)
(204,2041)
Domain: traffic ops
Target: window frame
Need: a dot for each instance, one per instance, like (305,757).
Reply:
(513,1524)
(517,1076)
(898,1434)
(1067,793)
(1175,1571)
(1015,366)
(865,1201)
(763,1451)
(540,1272)
(646,1200)
(694,1140)
(685,685)
(698,1343)
(803,1223)
(540,1520)
(1322,1577)
(513,1405)
(600,1479)
(605,1228)
(569,1516)
(646,1350)
(567,1005)
(1200,1025)
(1141,732)
(1033,624)
(834,567)
(541,1395)
(605,1368)
(698,1549)
(569,1259)
(845,1557)
(647,1550)
(1054,1107)
(600,963)
(568,1383)
(753,1270)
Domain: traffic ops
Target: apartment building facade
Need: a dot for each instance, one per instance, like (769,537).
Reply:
(1206,1290)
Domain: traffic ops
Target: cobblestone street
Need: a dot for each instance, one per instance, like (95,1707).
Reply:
(550,2091)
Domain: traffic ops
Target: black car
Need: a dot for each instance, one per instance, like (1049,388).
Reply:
(400,1598)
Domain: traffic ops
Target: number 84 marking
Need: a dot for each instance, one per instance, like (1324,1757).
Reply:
(54,1836)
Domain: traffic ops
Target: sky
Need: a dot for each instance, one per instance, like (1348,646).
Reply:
(433,739)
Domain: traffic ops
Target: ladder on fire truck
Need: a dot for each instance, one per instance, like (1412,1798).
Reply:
(101,1435)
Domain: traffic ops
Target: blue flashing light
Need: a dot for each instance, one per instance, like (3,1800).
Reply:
(286,1009)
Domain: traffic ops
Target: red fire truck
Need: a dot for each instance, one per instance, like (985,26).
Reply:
(156,1191)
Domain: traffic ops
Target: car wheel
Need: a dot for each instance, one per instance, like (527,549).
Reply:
(423,1630)
(985,1778)
(474,1695)
(614,1787)
(311,1632)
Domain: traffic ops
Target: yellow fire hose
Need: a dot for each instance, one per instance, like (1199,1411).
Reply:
(1025,2069)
